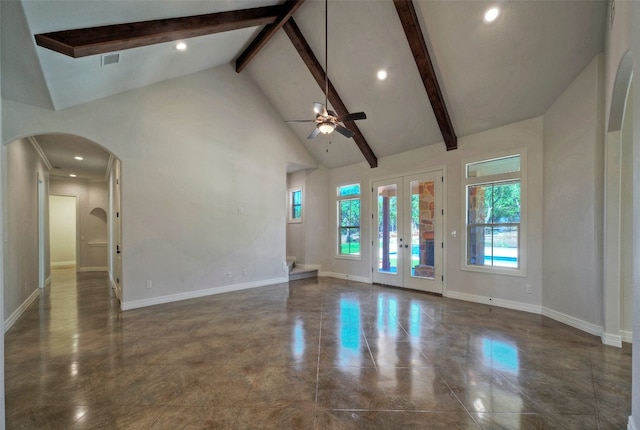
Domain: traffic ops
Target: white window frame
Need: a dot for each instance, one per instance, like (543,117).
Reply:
(522,231)
(293,220)
(340,198)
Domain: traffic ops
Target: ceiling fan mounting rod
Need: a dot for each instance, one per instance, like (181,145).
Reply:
(326,53)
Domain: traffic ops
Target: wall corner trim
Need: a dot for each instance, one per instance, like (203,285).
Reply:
(631,425)
(612,339)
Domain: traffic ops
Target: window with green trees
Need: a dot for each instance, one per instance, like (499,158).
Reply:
(493,213)
(349,219)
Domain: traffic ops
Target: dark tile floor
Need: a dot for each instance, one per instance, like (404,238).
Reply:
(323,354)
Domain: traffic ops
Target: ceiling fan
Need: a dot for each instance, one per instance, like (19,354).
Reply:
(326,120)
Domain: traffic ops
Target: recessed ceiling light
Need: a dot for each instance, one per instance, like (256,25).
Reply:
(491,14)
(382,75)
(181,46)
(73,175)
(79,158)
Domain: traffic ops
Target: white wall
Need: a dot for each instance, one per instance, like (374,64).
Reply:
(296,230)
(526,134)
(635,48)
(2,287)
(62,230)
(93,206)
(573,193)
(22,165)
(203,174)
(626,219)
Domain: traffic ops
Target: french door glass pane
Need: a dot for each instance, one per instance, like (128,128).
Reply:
(387,229)
(422,229)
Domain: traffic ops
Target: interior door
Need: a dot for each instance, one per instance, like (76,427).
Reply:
(408,232)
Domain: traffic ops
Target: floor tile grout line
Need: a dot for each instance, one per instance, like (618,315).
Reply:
(593,384)
(315,414)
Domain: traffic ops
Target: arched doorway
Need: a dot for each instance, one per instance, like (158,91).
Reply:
(618,265)
(63,164)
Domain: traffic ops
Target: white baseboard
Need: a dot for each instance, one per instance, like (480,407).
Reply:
(626,336)
(593,329)
(47,282)
(345,277)
(519,306)
(63,263)
(134,304)
(18,312)
(631,425)
(612,340)
(93,269)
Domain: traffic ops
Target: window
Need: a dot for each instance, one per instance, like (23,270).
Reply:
(295,205)
(494,202)
(349,220)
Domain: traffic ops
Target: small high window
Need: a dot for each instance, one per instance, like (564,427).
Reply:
(295,205)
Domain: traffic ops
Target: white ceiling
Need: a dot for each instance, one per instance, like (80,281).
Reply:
(490,75)
(61,150)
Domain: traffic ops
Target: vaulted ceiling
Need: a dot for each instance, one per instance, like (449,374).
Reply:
(489,74)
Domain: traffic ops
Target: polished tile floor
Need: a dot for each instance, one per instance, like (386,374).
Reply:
(323,354)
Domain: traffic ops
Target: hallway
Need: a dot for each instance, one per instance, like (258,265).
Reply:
(318,353)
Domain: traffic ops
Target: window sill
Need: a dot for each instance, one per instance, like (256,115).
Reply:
(295,221)
(522,273)
(348,257)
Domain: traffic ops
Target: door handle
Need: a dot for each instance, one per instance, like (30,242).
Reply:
(117,249)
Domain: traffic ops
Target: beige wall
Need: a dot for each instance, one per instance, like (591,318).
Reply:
(526,134)
(204,162)
(296,230)
(22,166)
(573,196)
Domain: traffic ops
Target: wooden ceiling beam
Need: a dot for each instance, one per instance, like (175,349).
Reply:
(314,66)
(109,38)
(266,34)
(415,37)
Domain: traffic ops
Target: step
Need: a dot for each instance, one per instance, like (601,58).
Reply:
(298,273)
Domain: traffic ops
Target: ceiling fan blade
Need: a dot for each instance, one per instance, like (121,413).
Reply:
(344,131)
(352,116)
(331,113)
(301,120)
(314,133)
(319,108)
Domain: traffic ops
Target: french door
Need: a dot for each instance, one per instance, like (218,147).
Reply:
(407,238)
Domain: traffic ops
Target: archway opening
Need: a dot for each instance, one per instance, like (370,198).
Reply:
(66,165)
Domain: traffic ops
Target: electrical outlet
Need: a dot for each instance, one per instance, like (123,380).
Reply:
(244,272)
(149,285)
(228,274)
(528,289)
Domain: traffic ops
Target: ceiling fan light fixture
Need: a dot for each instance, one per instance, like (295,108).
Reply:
(326,127)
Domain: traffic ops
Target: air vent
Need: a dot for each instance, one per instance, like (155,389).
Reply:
(110,59)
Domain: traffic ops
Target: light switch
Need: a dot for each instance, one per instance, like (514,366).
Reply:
(454,233)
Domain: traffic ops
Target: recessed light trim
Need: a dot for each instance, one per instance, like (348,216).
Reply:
(79,158)
(73,175)
(491,14)
(181,46)
(382,75)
